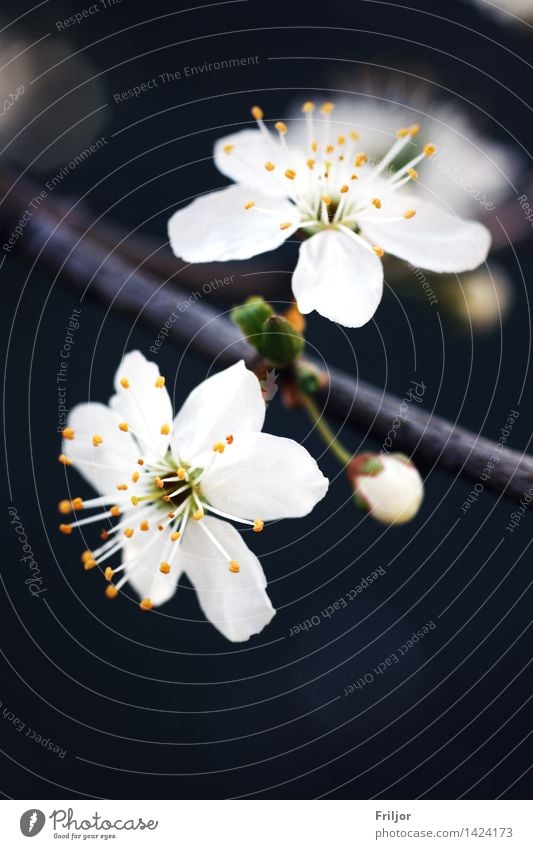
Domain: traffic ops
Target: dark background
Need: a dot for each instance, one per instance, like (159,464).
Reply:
(161,706)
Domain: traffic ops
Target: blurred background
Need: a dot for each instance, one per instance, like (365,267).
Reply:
(161,706)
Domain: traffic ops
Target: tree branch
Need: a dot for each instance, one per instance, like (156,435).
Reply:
(79,253)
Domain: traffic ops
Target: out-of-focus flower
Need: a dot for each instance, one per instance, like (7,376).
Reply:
(349,209)
(482,300)
(61,109)
(469,172)
(174,486)
(388,486)
(511,11)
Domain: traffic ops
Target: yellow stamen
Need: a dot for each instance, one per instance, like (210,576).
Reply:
(135,477)
(160,382)
(326,199)
(108,574)
(257,113)
(165,429)
(378,251)
(228,148)
(159,483)
(97,440)
(269,166)
(219,446)
(86,555)
(308,107)
(171,515)
(115,511)
(144,526)
(197,515)
(104,535)
(344,189)
(140,462)
(65,529)
(258,525)
(160,528)
(285,225)
(181,473)
(410,213)
(111,591)
(128,532)
(314,146)
(89,564)
(124,427)
(174,536)
(134,500)
(122,487)
(249,204)
(69,433)
(327,108)
(281,127)
(353,135)
(414,130)
(124,382)
(376,202)
(402,132)
(341,140)
(234,566)
(330,148)
(64,507)
(354,177)
(164,568)
(290,174)
(310,164)
(360,159)
(429,149)
(77,504)
(412,173)
(66,461)
(145,604)
(229,438)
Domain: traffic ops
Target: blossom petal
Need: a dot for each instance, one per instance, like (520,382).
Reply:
(242,157)
(102,465)
(339,278)
(229,402)
(236,604)
(143,554)
(217,227)
(432,239)
(143,406)
(265,476)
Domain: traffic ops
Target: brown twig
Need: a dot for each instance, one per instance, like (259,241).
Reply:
(85,264)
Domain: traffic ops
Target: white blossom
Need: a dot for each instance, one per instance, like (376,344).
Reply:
(175,486)
(347,206)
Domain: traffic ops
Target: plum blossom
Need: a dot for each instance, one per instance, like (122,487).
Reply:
(174,486)
(388,486)
(347,207)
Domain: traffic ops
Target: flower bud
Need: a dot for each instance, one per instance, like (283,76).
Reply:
(388,486)
(279,342)
(251,316)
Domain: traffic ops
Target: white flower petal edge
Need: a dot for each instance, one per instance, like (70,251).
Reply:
(232,483)
(434,239)
(226,402)
(338,277)
(159,483)
(325,185)
(214,228)
(240,608)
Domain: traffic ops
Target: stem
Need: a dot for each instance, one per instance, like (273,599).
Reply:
(68,246)
(326,432)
